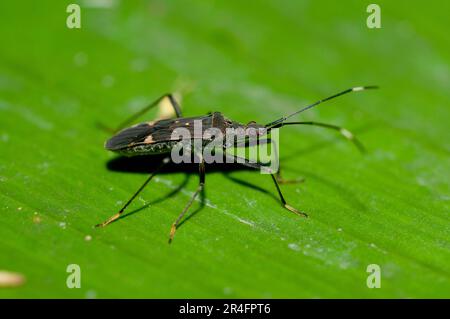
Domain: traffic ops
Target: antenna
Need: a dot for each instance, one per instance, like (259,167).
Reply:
(353,89)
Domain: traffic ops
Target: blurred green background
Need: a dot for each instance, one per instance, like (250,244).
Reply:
(252,60)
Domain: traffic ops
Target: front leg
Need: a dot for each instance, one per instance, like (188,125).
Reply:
(245,162)
(281,180)
(278,175)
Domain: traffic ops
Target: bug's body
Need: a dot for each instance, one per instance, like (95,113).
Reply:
(156,138)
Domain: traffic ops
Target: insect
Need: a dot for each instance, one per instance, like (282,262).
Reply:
(155,137)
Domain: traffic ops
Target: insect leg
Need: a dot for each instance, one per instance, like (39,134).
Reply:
(279,178)
(198,191)
(282,180)
(245,162)
(132,118)
(117,216)
(268,140)
(344,132)
(283,201)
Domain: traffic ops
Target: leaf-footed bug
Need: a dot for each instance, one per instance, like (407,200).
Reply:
(156,137)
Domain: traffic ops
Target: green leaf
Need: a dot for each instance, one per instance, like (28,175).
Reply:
(252,61)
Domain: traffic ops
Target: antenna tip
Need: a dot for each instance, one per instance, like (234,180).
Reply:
(362,88)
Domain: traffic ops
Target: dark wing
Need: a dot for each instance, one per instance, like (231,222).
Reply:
(129,136)
(155,132)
